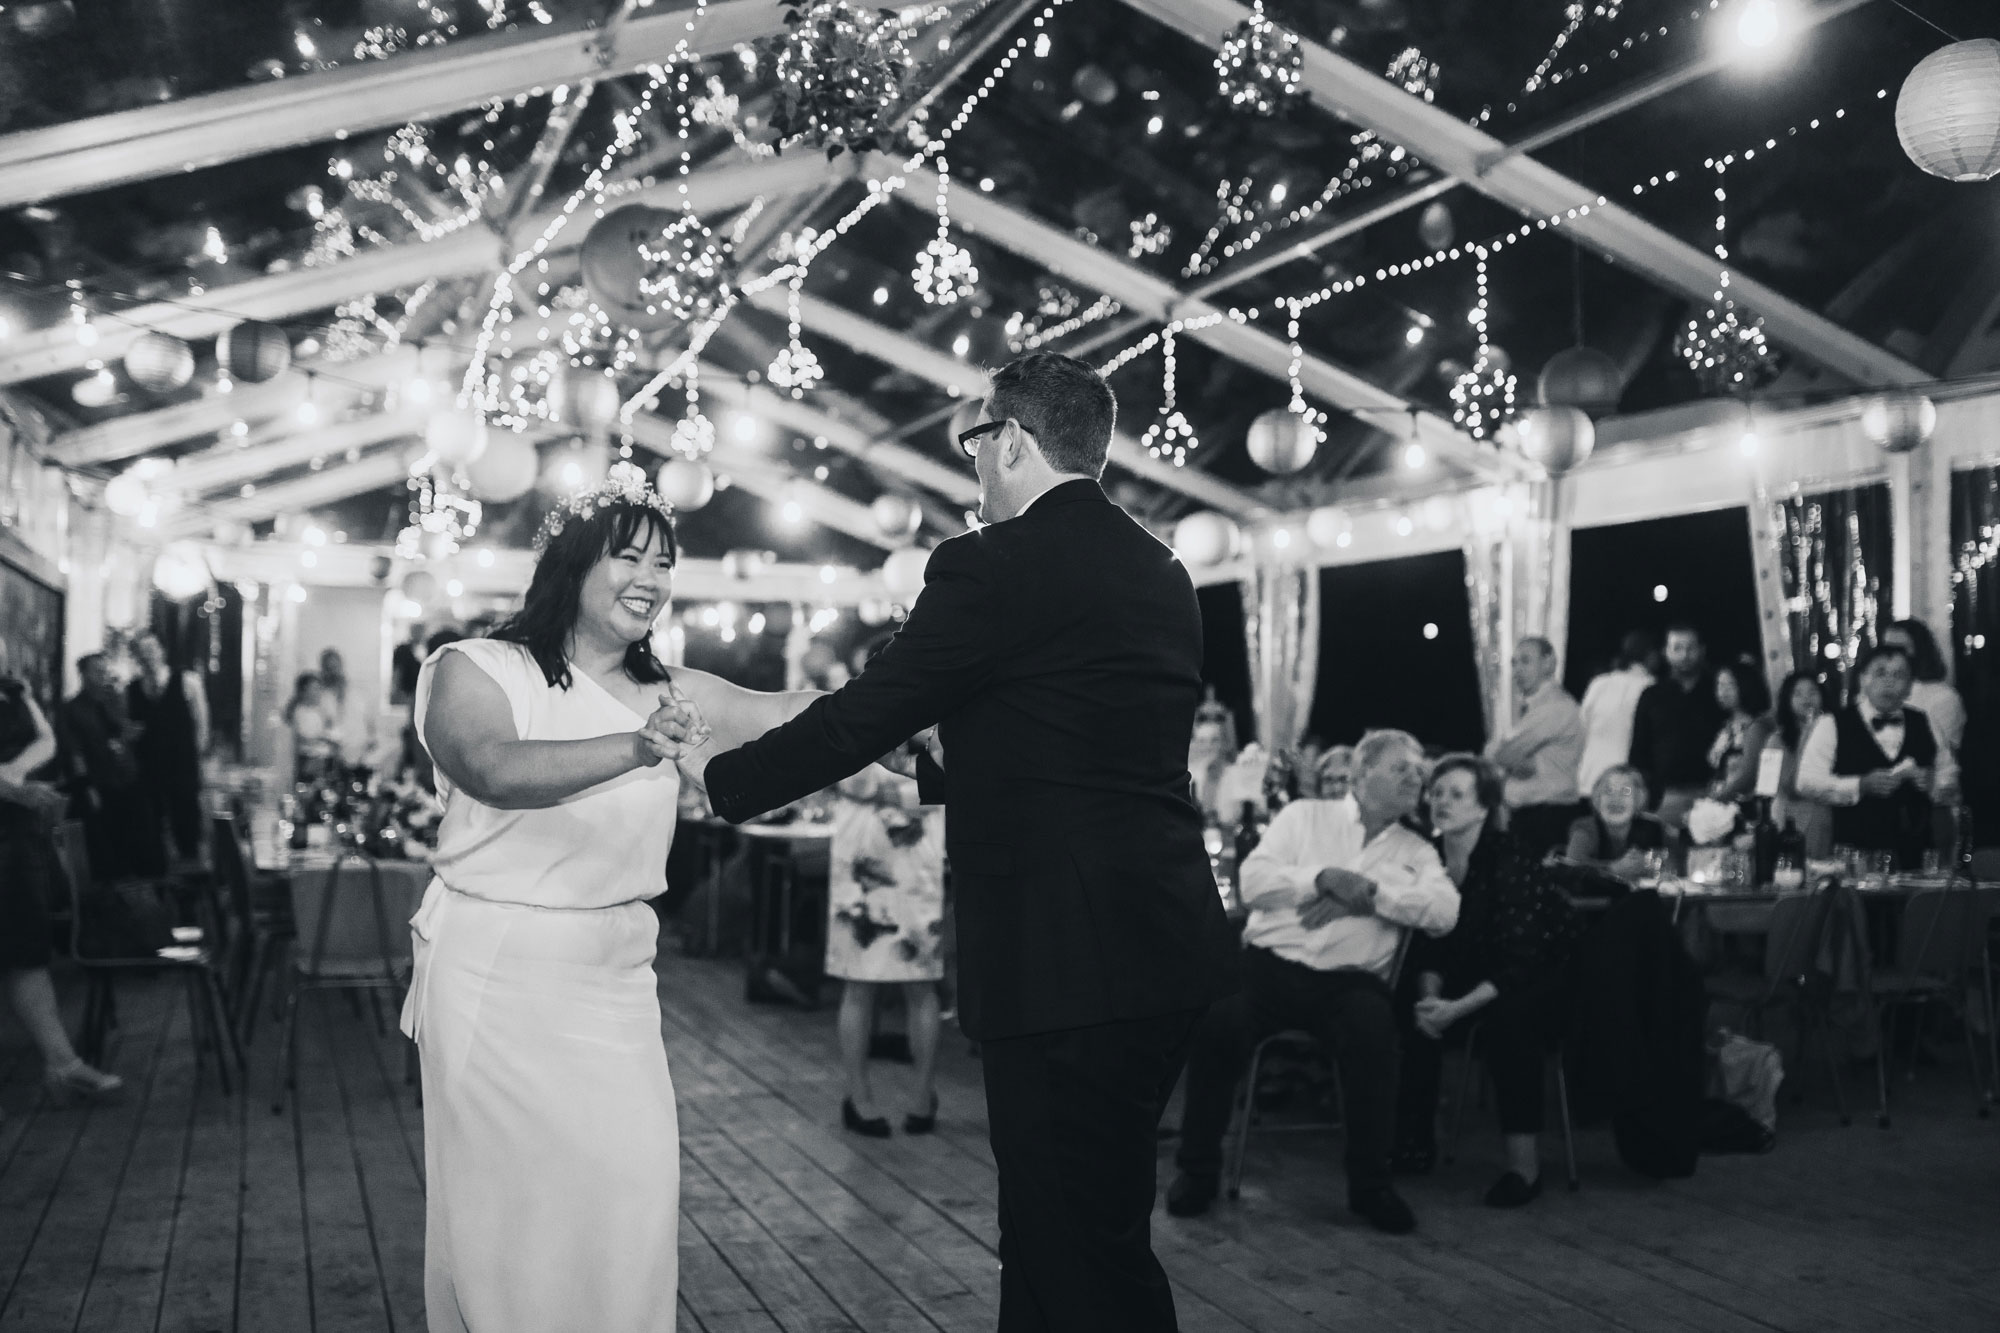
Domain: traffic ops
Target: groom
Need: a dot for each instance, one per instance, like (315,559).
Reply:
(1058,651)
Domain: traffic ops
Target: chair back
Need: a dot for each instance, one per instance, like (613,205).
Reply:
(232,871)
(1943,932)
(1792,941)
(353,919)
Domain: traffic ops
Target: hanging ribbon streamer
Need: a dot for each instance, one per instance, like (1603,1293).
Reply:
(1281,633)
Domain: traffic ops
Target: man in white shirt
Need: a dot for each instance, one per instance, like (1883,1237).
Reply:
(1332,889)
(1541,752)
(1609,704)
(1877,763)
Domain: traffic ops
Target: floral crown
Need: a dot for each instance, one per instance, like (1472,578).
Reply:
(623,484)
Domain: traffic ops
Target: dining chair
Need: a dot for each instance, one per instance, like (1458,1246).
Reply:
(190,958)
(1562,1105)
(260,911)
(1940,945)
(353,935)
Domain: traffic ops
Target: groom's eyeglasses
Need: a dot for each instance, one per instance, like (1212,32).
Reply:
(968,440)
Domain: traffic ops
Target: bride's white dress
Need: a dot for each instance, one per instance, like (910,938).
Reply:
(551,1147)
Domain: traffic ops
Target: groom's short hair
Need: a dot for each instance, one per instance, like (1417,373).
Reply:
(1065,405)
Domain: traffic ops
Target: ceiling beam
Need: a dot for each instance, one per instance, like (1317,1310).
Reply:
(769,480)
(957,376)
(226,470)
(1534,190)
(373,472)
(1136,289)
(196,132)
(471,253)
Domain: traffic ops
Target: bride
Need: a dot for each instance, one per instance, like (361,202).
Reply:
(551,1149)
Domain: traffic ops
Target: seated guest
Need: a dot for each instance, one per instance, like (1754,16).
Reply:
(1801,702)
(1331,889)
(1507,961)
(1877,763)
(1541,753)
(1617,833)
(315,747)
(1747,727)
(1336,774)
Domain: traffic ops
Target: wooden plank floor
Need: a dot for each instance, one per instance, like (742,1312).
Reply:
(180,1211)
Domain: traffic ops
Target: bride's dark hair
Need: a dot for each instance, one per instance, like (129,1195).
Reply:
(548,613)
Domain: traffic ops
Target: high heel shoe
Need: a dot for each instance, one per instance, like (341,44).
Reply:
(81,1083)
(872,1127)
(922,1124)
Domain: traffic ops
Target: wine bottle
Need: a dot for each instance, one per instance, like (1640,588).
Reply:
(1764,845)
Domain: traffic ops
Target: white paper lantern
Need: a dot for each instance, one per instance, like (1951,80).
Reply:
(1899,422)
(254,352)
(1324,527)
(903,572)
(1281,441)
(1581,377)
(506,471)
(159,362)
(1207,539)
(1948,113)
(420,586)
(97,389)
(181,572)
(896,516)
(585,400)
(1557,438)
(130,492)
(685,484)
(457,439)
(576,469)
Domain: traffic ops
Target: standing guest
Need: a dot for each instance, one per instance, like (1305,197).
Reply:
(1748,727)
(315,746)
(350,716)
(1942,706)
(1674,725)
(171,709)
(1305,772)
(31,880)
(1617,833)
(1877,763)
(1507,962)
(1801,701)
(1542,752)
(885,927)
(1331,890)
(120,827)
(1211,749)
(1609,702)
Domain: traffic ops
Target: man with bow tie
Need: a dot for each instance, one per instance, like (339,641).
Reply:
(1877,763)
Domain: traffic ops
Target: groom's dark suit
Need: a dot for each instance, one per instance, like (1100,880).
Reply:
(1060,654)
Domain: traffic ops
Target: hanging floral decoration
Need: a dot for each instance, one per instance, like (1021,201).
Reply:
(944,272)
(1260,66)
(839,74)
(1727,352)
(694,434)
(441,517)
(1171,436)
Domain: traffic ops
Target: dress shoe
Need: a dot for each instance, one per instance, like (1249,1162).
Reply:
(1190,1194)
(922,1124)
(1384,1209)
(1414,1160)
(872,1127)
(81,1083)
(1513,1191)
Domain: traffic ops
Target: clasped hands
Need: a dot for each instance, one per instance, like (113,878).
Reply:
(1884,781)
(1337,893)
(675,729)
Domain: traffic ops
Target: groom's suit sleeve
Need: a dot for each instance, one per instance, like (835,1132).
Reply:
(944,653)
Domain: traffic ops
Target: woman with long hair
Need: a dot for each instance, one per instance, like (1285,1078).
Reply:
(314,746)
(1801,701)
(552,1159)
(1746,729)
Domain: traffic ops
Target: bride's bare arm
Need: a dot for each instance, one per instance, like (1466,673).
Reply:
(469,728)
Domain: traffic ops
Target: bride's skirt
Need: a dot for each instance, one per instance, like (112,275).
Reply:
(551,1147)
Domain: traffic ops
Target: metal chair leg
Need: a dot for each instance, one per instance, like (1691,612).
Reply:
(227,1049)
(253,989)
(1832,1063)
(288,1077)
(1569,1132)
(1465,1078)
(1249,1114)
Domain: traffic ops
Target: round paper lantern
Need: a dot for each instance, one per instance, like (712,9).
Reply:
(1899,422)
(575,469)
(903,572)
(159,362)
(506,471)
(585,400)
(1094,85)
(613,268)
(456,439)
(1581,377)
(1282,441)
(1556,438)
(685,484)
(1435,226)
(128,493)
(1948,113)
(420,586)
(253,352)
(1324,527)
(1207,539)
(97,389)
(896,516)
(180,572)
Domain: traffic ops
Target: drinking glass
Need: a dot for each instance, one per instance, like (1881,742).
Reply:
(1652,866)
(1933,862)
(1876,867)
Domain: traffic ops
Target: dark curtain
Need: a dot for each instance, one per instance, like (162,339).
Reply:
(1834,554)
(1381,665)
(1975,637)
(1225,664)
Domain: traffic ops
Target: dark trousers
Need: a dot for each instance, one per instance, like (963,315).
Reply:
(1542,828)
(1349,1011)
(1075,1117)
(177,800)
(1516,1034)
